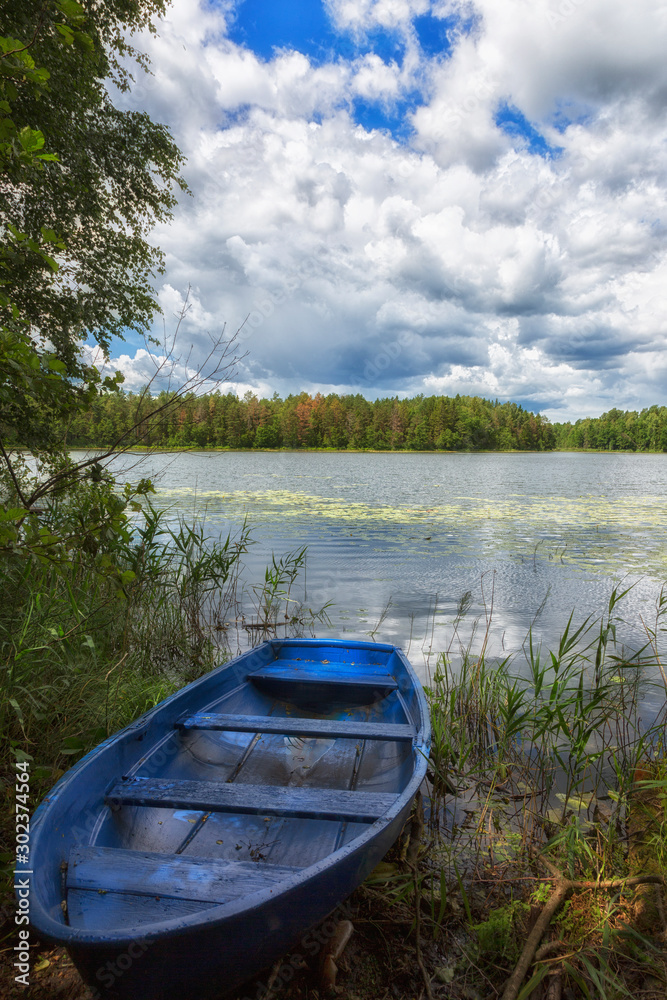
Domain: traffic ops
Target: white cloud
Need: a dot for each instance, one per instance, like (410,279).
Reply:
(364,15)
(515,274)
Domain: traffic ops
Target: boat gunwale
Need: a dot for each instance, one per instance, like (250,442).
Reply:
(68,937)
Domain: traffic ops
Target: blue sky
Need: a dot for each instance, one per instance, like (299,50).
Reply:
(402,196)
(305,26)
(267,28)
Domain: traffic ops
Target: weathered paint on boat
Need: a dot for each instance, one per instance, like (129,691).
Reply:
(195,847)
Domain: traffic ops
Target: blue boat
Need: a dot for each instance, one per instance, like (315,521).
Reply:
(197,846)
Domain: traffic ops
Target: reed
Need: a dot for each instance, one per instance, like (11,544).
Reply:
(546,781)
(548,791)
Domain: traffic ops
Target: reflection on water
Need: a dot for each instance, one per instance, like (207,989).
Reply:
(397,539)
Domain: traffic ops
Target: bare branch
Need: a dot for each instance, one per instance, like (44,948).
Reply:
(219,366)
(562,889)
(17,485)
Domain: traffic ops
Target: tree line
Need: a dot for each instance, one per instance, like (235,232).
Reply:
(423,423)
(617,430)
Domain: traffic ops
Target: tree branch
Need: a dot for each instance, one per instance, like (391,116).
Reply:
(40,22)
(222,370)
(17,486)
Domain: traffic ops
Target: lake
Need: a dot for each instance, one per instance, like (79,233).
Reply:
(395,540)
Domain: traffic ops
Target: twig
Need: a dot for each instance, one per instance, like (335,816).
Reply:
(272,979)
(555,988)
(661,912)
(418,947)
(547,948)
(28,45)
(561,891)
(221,370)
(617,883)
(416,831)
(514,982)
(17,486)
(471,962)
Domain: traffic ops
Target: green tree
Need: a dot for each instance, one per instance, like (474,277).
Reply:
(82,185)
(106,178)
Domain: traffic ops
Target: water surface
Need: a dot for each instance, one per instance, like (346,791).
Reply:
(395,540)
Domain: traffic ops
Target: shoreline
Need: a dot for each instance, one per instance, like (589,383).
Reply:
(160,449)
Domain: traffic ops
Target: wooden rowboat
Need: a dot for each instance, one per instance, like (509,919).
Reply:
(194,848)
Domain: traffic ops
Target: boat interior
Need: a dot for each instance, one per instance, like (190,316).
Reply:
(283,766)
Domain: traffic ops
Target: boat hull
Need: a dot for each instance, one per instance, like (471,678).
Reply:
(204,963)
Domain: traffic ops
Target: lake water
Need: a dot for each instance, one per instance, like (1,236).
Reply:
(395,540)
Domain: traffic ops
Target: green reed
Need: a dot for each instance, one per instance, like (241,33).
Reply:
(565,722)
(542,766)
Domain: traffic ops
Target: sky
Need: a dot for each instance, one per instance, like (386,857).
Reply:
(396,197)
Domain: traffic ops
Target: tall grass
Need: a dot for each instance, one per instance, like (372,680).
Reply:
(563,723)
(89,643)
(543,770)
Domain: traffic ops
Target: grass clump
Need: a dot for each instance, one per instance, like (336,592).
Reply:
(499,936)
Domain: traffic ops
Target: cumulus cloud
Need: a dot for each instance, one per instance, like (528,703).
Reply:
(507,239)
(362,16)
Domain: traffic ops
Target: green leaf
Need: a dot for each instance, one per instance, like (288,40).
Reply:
(53,264)
(66,33)
(534,981)
(72,745)
(50,236)
(13,513)
(84,41)
(42,772)
(17,50)
(72,10)
(17,708)
(31,139)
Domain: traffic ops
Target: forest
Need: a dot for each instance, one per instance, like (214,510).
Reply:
(423,423)
(617,430)
(301,421)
